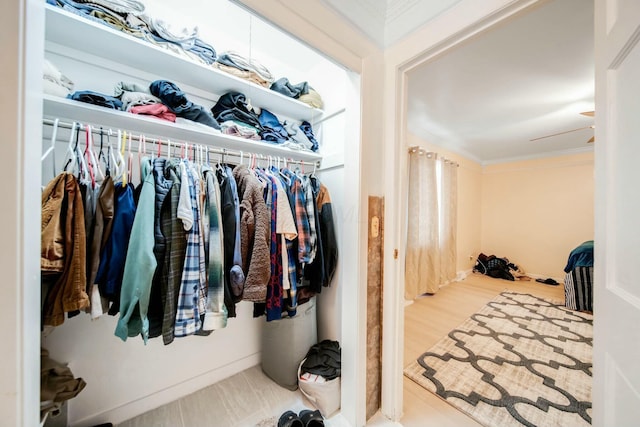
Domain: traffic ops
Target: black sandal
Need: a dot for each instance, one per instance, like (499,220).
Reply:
(311,418)
(290,419)
(548,281)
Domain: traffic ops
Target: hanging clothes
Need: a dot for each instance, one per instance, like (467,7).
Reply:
(163,187)
(175,252)
(233,275)
(112,260)
(101,231)
(254,235)
(191,299)
(140,264)
(274,299)
(63,249)
(320,272)
(216,313)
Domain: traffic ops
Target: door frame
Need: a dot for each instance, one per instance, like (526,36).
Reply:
(397,67)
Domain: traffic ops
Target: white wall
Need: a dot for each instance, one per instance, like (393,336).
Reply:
(21,35)
(125,379)
(535,212)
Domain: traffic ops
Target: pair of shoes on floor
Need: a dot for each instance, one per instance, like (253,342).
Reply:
(548,281)
(306,418)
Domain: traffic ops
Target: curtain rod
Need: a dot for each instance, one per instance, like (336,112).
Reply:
(421,150)
(210,149)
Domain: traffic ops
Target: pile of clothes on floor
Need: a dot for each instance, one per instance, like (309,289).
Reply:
(499,268)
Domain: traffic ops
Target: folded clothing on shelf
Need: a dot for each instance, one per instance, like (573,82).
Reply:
(233,106)
(106,12)
(297,138)
(308,131)
(235,60)
(312,99)
(301,91)
(185,37)
(160,111)
(95,98)
(133,95)
(240,129)
(128,16)
(134,99)
(285,87)
(251,76)
(177,101)
(54,82)
(272,130)
(122,87)
(118,6)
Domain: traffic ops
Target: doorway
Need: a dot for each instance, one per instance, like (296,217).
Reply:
(394,346)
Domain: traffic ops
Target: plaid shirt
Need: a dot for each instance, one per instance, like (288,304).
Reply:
(302,221)
(311,214)
(190,300)
(176,241)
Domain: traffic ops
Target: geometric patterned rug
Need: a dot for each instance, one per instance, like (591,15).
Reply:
(519,361)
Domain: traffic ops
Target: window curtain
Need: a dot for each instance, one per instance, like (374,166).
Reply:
(448,220)
(422,265)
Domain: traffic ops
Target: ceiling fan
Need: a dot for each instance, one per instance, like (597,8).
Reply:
(584,113)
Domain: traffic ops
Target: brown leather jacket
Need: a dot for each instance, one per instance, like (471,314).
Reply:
(63,249)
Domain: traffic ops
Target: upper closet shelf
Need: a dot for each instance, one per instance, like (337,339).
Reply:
(62,108)
(75,32)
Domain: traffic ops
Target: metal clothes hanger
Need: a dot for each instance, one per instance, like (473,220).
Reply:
(52,148)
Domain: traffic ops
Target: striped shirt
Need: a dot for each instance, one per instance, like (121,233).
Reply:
(190,302)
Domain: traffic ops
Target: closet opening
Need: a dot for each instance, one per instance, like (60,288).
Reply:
(127,379)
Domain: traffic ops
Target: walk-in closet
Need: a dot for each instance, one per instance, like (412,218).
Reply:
(129,373)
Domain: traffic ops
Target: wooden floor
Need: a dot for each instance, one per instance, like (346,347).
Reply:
(430,318)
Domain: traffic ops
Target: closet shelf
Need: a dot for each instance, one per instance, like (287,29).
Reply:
(62,108)
(75,32)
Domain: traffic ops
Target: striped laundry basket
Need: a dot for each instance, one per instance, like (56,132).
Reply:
(578,289)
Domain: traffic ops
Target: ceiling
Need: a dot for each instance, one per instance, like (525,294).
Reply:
(488,97)
(387,21)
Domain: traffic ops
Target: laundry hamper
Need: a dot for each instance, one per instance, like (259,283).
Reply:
(325,396)
(285,343)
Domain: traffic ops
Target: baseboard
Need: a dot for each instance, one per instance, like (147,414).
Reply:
(147,403)
(535,276)
(463,274)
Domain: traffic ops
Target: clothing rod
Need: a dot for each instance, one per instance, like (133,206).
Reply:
(212,150)
(330,116)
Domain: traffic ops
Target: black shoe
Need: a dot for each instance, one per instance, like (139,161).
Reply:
(311,418)
(548,281)
(290,419)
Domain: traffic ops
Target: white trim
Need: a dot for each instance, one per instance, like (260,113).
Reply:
(353,256)
(22,35)
(438,37)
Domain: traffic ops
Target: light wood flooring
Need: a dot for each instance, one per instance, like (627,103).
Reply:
(250,398)
(247,399)
(430,318)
